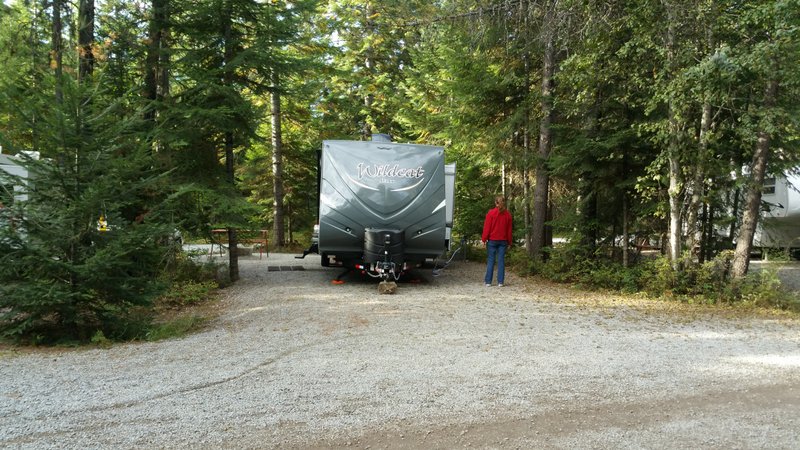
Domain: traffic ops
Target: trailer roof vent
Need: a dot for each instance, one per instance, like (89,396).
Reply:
(381,137)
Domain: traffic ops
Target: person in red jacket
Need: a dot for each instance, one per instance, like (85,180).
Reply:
(497,238)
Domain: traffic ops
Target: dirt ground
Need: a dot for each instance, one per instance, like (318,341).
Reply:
(623,420)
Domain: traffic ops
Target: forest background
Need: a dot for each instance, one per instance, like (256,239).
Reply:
(615,126)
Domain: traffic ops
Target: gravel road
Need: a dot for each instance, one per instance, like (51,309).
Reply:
(297,362)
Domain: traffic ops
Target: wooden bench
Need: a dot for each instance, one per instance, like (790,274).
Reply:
(256,237)
(246,237)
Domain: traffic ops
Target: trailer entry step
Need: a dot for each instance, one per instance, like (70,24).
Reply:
(285,268)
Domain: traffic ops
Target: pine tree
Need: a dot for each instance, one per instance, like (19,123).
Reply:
(62,274)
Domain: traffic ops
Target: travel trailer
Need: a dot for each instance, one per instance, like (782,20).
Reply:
(13,173)
(384,207)
(780,223)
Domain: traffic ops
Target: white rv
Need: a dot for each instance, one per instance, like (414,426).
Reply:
(780,224)
(11,191)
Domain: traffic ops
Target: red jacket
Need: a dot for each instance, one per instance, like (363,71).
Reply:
(497,226)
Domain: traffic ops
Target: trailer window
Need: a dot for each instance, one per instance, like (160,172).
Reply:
(769,185)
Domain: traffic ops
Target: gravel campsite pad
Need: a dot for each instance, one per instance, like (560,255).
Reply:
(295,361)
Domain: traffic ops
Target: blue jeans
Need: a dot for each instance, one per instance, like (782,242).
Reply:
(496,249)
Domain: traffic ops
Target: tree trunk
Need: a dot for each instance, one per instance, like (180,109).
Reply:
(587,211)
(157,71)
(369,31)
(85,39)
(57,61)
(697,187)
(702,254)
(625,231)
(233,241)
(153,76)
(58,50)
(503,181)
(164,54)
(752,206)
(526,187)
(625,214)
(33,44)
(587,204)
(542,180)
(675,204)
(735,215)
(673,151)
(277,163)
(230,169)
(527,211)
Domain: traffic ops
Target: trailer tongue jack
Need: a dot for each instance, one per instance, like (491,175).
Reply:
(387,267)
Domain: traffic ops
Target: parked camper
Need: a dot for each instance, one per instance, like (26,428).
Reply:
(13,175)
(780,226)
(384,207)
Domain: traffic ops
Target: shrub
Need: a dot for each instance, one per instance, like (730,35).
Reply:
(567,264)
(697,283)
(764,289)
(593,270)
(516,260)
(186,267)
(100,339)
(184,293)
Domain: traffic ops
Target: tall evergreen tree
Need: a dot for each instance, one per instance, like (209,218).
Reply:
(64,271)
(79,256)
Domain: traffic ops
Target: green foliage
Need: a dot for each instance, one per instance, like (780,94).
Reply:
(708,283)
(186,268)
(516,260)
(99,339)
(368,65)
(148,165)
(460,74)
(187,293)
(58,269)
(577,264)
(190,284)
(764,289)
(711,283)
